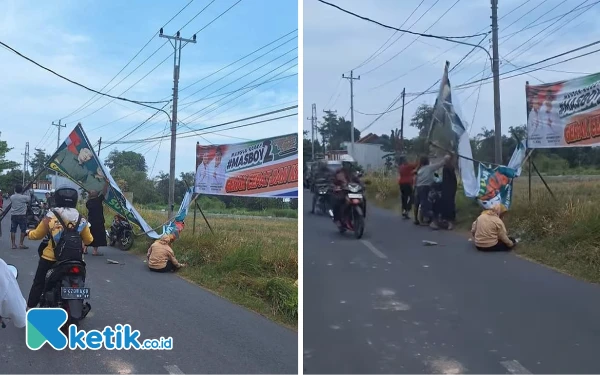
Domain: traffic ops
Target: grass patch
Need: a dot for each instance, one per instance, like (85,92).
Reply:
(250,261)
(563,234)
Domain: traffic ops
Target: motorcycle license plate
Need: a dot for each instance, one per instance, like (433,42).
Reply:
(355,196)
(74,293)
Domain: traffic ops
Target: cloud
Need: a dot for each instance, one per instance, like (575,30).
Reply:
(335,42)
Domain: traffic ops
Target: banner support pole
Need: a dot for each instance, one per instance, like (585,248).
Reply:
(201,212)
(542,178)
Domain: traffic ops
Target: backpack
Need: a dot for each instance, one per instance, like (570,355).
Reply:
(69,247)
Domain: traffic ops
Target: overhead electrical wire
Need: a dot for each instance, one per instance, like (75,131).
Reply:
(142,103)
(375,54)
(80,108)
(414,40)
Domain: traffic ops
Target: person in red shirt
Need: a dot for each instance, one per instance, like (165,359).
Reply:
(406,173)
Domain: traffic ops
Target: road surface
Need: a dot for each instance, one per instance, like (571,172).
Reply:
(389,304)
(210,334)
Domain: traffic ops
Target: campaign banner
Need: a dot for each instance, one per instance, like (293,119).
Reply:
(264,168)
(175,226)
(495,186)
(564,114)
(76,160)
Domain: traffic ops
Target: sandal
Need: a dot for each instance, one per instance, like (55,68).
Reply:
(14,247)
(98,254)
(23,247)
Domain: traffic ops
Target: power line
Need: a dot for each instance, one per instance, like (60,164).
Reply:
(213,126)
(82,107)
(144,104)
(416,39)
(373,56)
(398,29)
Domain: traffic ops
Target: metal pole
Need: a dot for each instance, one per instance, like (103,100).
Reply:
(496,73)
(176,64)
(402,122)
(99,146)
(59,126)
(313,120)
(351,78)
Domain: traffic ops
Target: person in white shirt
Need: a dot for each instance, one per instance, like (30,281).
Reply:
(202,171)
(217,175)
(534,120)
(12,303)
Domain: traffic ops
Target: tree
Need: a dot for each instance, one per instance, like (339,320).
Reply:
(39,161)
(336,130)
(422,119)
(118,159)
(6,164)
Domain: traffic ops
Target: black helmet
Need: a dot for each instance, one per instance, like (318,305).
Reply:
(66,197)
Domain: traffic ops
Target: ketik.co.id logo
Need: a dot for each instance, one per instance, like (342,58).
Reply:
(44,326)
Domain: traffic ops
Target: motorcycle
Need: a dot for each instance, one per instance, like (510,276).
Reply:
(120,232)
(321,198)
(353,218)
(65,289)
(34,214)
(15,273)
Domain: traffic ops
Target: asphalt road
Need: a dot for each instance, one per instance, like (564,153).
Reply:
(210,334)
(389,304)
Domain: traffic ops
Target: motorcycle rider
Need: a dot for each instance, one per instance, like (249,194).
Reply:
(65,199)
(322,176)
(342,177)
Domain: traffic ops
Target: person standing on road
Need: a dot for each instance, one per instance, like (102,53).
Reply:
(447,204)
(18,216)
(489,231)
(96,219)
(161,257)
(406,174)
(424,181)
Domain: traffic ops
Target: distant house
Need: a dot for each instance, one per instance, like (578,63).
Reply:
(370,138)
(368,155)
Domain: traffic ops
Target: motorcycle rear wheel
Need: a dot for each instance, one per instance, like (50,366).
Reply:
(126,241)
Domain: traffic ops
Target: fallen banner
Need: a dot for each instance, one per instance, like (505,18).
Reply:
(564,114)
(262,168)
(175,226)
(76,160)
(493,185)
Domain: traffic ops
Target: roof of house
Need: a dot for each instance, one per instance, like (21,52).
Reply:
(369,138)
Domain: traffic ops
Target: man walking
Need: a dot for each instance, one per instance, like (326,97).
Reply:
(406,172)
(18,216)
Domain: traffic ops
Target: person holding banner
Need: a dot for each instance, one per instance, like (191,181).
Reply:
(489,232)
(423,182)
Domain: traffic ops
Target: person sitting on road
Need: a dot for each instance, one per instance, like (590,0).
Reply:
(161,257)
(65,199)
(12,303)
(489,231)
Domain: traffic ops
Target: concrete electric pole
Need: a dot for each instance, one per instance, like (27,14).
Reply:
(402,122)
(25,161)
(313,128)
(176,43)
(59,126)
(351,78)
(496,73)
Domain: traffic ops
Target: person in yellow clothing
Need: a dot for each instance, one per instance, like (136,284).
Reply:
(161,257)
(65,201)
(489,231)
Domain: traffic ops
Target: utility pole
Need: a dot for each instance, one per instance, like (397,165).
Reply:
(59,126)
(99,146)
(25,161)
(313,126)
(402,122)
(496,73)
(176,43)
(351,78)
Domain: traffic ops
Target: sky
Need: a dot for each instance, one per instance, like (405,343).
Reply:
(335,43)
(91,41)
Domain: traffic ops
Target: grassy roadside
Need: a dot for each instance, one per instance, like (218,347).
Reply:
(250,261)
(562,234)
